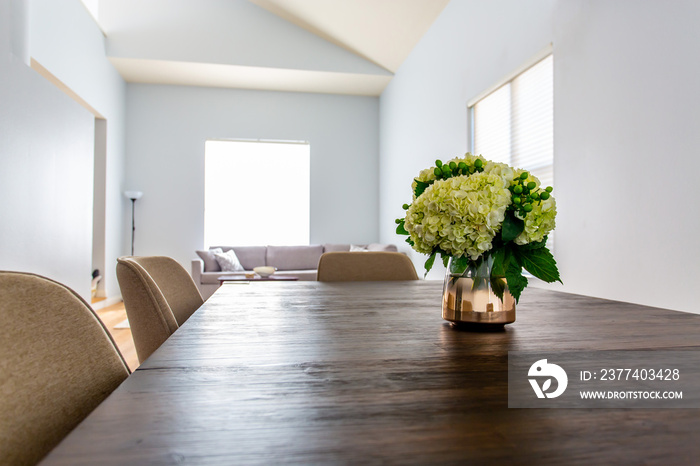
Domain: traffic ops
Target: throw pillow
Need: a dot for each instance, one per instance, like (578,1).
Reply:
(228,261)
(356,248)
(210,264)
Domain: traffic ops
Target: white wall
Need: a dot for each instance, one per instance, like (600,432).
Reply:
(168,125)
(46,164)
(626,93)
(423,111)
(67,43)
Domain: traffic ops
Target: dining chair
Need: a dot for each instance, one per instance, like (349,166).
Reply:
(58,363)
(175,283)
(365,266)
(159,296)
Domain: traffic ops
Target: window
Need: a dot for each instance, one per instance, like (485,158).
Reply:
(513,123)
(256,193)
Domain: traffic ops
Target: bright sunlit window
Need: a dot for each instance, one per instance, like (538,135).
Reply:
(256,193)
(515,123)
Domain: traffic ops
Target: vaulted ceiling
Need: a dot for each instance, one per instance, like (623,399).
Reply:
(328,46)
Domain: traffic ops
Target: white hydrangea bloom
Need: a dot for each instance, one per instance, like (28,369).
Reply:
(461,215)
(538,223)
(501,169)
(425,176)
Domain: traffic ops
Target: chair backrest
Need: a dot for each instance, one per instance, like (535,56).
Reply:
(159,296)
(175,283)
(150,318)
(365,266)
(57,363)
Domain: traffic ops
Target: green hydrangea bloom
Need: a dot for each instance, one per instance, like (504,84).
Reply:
(538,223)
(460,215)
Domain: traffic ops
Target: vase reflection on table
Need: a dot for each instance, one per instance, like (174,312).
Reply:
(473,295)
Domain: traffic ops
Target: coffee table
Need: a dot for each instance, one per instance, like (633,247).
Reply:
(242,278)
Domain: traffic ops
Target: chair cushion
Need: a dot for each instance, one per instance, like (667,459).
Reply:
(294,257)
(58,364)
(365,266)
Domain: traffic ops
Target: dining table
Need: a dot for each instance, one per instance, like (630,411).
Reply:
(311,372)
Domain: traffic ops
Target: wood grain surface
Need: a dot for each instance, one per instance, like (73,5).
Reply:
(367,372)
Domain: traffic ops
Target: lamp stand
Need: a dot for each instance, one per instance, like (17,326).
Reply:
(134,196)
(133,225)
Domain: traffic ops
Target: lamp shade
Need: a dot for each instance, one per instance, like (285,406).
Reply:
(134,195)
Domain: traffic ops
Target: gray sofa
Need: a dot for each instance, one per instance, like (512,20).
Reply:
(297,261)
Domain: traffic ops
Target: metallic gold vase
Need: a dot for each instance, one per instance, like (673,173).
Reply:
(468,295)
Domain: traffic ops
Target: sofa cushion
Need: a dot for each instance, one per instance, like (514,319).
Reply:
(382,247)
(212,278)
(210,264)
(249,256)
(336,247)
(294,257)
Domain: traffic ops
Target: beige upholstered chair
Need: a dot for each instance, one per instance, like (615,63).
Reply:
(57,363)
(159,296)
(365,266)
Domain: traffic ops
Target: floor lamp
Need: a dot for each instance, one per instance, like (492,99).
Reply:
(134,196)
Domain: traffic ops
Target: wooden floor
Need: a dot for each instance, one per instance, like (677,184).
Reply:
(112,316)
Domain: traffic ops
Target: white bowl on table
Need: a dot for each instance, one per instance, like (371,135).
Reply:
(264,271)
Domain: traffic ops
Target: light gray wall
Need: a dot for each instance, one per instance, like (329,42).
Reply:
(67,43)
(423,111)
(46,166)
(626,93)
(167,127)
(626,99)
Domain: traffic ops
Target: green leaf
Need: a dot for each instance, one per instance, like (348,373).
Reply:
(421,186)
(540,263)
(512,227)
(515,279)
(410,241)
(537,245)
(429,263)
(480,273)
(401,229)
(499,258)
(459,265)
(445,259)
(498,285)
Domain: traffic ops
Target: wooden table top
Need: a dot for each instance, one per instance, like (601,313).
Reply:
(311,372)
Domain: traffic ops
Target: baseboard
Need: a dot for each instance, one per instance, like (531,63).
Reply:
(106,302)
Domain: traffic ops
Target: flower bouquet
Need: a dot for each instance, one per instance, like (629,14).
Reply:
(472,212)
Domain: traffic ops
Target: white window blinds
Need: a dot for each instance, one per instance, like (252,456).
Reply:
(514,123)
